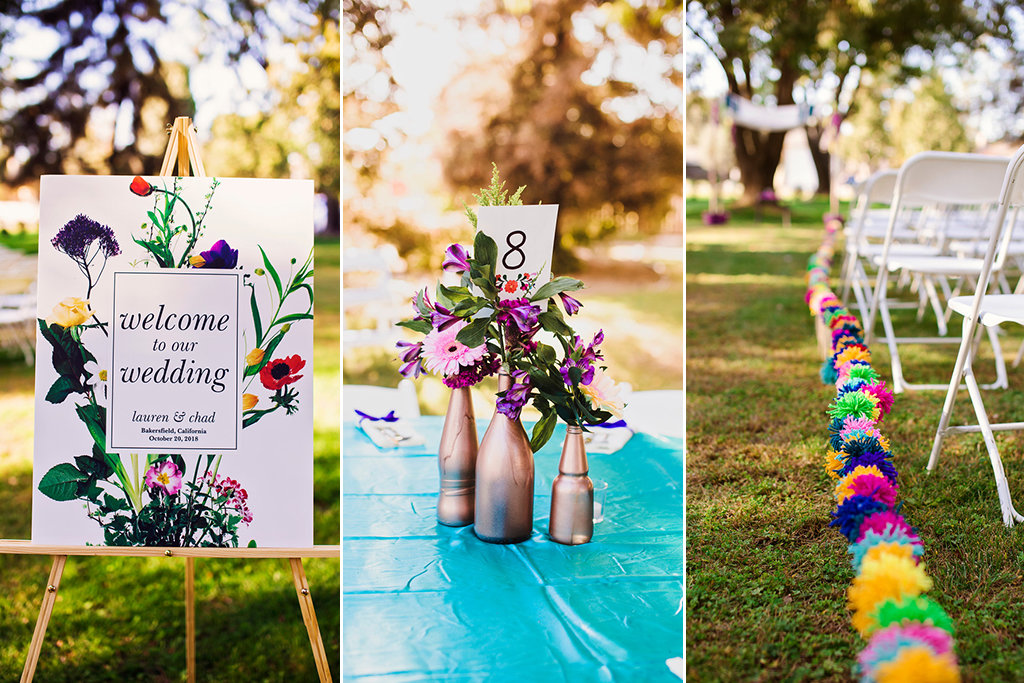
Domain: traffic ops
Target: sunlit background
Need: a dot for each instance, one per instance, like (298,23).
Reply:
(580,101)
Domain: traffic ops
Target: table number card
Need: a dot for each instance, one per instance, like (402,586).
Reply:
(525,236)
(174,373)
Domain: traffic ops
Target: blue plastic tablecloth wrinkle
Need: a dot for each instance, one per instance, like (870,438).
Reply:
(428,602)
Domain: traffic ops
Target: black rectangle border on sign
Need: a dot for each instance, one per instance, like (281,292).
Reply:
(113,326)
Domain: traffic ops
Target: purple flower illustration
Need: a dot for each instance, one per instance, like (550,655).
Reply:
(220,255)
(78,234)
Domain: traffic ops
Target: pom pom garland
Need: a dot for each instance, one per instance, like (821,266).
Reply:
(910,634)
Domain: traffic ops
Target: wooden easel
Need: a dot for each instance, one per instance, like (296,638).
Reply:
(183,151)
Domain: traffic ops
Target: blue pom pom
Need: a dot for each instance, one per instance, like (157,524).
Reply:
(828,372)
(879,459)
(834,427)
(859,445)
(850,515)
(851,385)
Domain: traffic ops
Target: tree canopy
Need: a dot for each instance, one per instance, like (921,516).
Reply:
(105,65)
(772,50)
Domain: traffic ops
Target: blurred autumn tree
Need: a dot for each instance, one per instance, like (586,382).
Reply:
(769,48)
(553,129)
(58,114)
(302,124)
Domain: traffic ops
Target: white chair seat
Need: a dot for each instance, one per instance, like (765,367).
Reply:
(935,265)
(995,308)
(874,251)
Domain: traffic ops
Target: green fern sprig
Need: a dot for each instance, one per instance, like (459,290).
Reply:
(494,195)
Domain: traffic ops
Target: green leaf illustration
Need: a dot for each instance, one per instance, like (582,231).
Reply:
(272,271)
(61,482)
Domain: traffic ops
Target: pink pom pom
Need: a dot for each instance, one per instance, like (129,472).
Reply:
(884,396)
(876,487)
(881,522)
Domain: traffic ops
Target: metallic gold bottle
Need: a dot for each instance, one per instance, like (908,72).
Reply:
(572,494)
(456,461)
(504,480)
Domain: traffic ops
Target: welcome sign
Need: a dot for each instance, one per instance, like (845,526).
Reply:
(174,362)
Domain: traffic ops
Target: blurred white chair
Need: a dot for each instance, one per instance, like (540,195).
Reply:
(987,311)
(374,294)
(378,401)
(18,323)
(655,412)
(940,182)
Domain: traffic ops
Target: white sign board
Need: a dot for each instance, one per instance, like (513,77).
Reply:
(525,236)
(174,373)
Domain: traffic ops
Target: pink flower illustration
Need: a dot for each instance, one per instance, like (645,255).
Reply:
(164,475)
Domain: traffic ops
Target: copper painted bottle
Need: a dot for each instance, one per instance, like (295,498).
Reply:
(456,461)
(572,494)
(504,480)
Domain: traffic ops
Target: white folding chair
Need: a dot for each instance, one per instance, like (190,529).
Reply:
(377,401)
(988,311)
(941,182)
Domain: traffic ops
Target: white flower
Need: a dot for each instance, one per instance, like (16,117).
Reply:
(97,380)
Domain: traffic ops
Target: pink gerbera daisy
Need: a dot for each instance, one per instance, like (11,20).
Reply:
(164,475)
(444,354)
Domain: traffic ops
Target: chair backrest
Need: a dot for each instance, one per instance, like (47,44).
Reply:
(877,189)
(377,401)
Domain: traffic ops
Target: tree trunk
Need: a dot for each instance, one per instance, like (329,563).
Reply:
(333,215)
(757,156)
(822,159)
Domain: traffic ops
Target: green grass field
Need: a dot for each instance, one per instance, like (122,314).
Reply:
(123,619)
(766,577)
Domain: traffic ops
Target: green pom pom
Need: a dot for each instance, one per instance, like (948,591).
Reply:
(865,372)
(920,609)
(855,404)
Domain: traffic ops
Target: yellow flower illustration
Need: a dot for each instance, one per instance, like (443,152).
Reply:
(249,401)
(254,357)
(70,312)
(197,261)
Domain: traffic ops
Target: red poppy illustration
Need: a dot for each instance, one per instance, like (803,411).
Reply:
(141,187)
(281,371)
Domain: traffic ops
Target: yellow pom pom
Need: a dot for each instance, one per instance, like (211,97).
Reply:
(918,663)
(832,467)
(852,353)
(895,549)
(844,489)
(886,575)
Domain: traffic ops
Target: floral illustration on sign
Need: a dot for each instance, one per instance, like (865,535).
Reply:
(521,284)
(160,499)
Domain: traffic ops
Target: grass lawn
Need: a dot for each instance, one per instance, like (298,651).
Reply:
(123,619)
(766,577)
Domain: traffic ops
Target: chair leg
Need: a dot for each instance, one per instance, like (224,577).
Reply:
(963,358)
(1010,515)
(933,298)
(894,352)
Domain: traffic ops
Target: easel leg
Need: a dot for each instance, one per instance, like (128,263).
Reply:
(309,617)
(45,610)
(190,618)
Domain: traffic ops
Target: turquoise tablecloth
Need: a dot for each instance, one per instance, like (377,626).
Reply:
(427,602)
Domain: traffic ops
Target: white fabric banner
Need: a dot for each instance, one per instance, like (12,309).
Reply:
(768,119)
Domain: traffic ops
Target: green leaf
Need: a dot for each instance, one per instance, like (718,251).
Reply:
(468,307)
(95,419)
(475,333)
(272,271)
(542,431)
(60,389)
(485,251)
(252,543)
(292,317)
(552,322)
(442,299)
(421,326)
(453,294)
(114,504)
(575,375)
(255,315)
(546,353)
(553,287)
(61,482)
(93,467)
